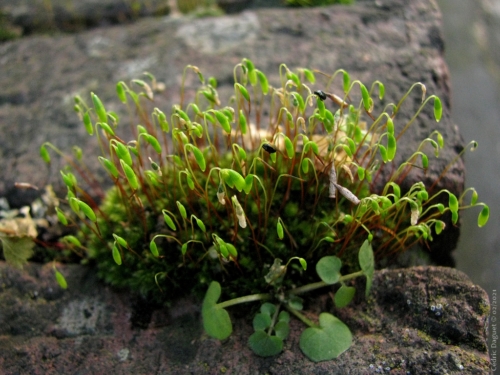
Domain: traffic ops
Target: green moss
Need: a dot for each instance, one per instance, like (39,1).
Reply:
(199,192)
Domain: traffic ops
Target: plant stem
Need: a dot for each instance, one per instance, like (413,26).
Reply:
(244,299)
(320,284)
(301,317)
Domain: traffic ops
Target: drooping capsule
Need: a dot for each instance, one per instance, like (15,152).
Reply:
(348,194)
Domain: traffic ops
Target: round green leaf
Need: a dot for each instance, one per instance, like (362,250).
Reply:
(264,345)
(327,341)
(284,316)
(328,269)
(268,308)
(261,321)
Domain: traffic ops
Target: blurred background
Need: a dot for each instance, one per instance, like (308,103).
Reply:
(472,50)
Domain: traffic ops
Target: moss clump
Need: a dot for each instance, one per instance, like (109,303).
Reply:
(215,192)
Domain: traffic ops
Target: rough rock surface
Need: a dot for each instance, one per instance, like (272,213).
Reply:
(62,15)
(416,321)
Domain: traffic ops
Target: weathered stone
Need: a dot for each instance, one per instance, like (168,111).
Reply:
(62,15)
(417,321)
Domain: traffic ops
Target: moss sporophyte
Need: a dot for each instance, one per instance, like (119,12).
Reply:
(247,195)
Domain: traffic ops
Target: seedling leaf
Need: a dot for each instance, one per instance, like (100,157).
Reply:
(264,345)
(367,263)
(268,309)
(216,321)
(282,329)
(327,341)
(328,269)
(261,321)
(344,295)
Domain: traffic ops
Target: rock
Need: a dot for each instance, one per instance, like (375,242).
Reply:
(419,321)
(72,16)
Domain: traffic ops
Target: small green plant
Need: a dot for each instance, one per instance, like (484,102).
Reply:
(221,194)
(323,341)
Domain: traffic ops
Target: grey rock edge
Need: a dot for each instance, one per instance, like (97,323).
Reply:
(420,320)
